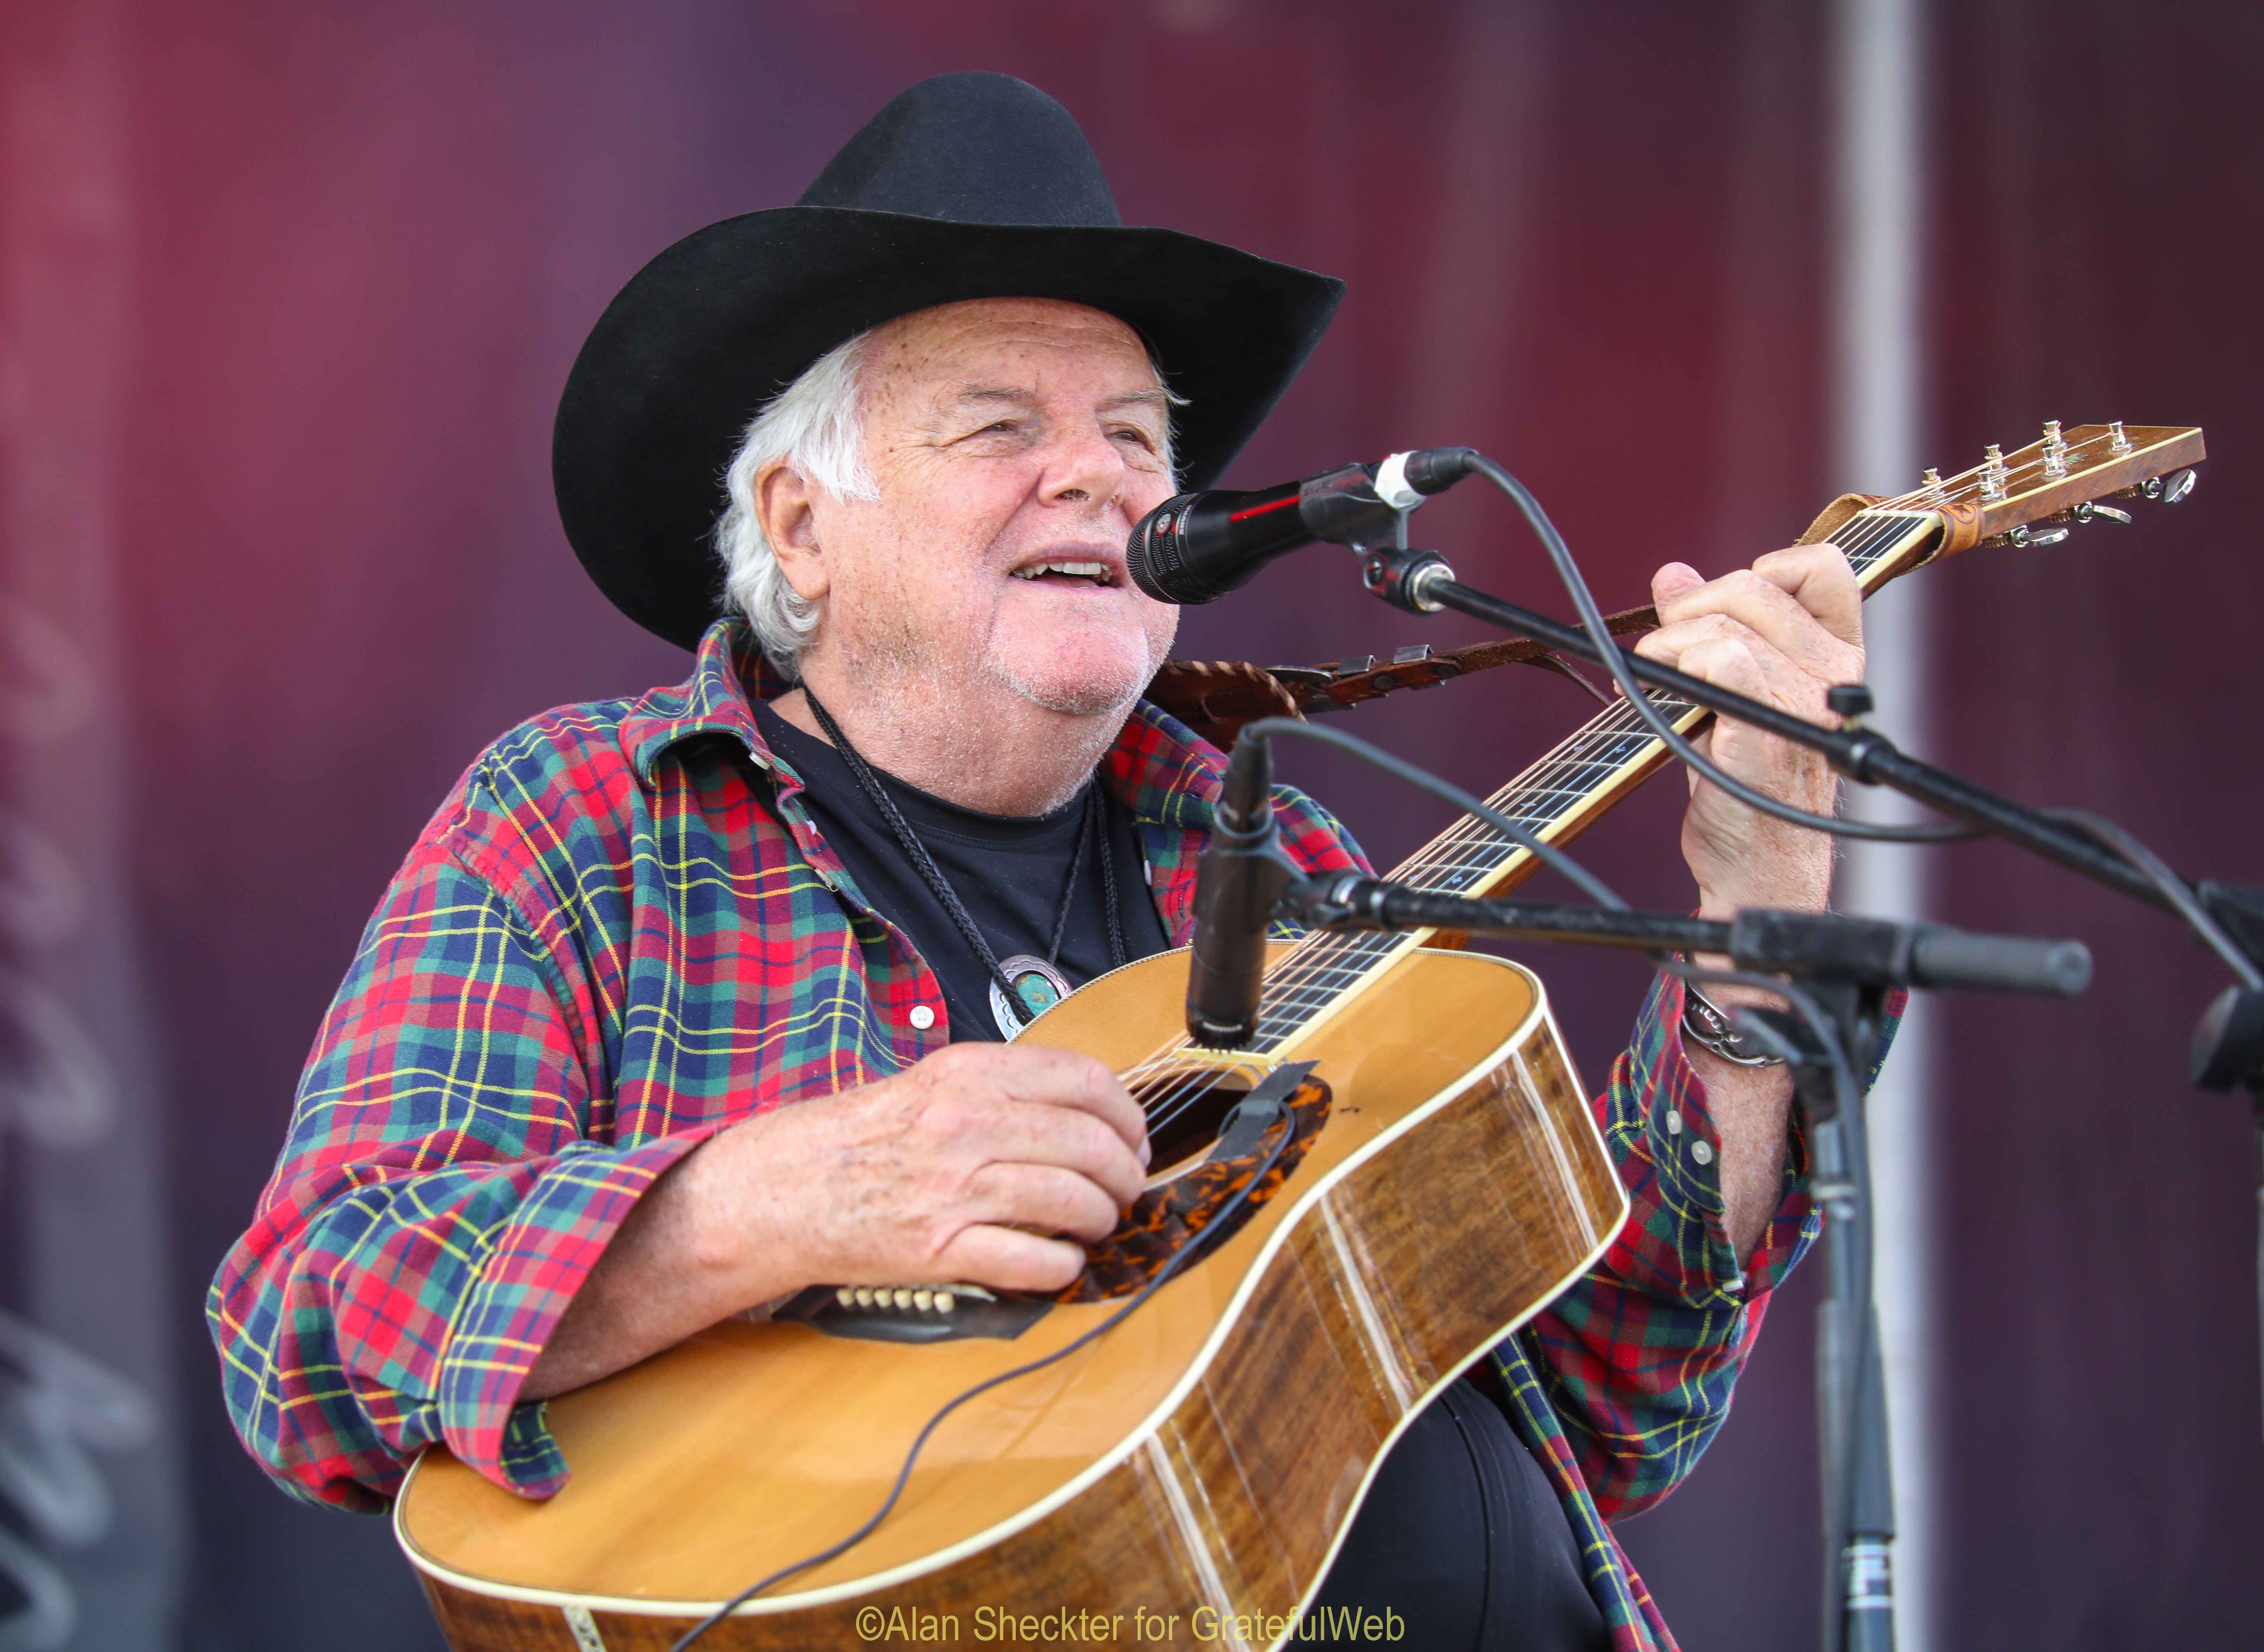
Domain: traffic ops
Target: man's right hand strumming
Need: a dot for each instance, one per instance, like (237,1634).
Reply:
(960,1167)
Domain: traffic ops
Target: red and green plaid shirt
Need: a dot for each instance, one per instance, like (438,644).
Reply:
(619,934)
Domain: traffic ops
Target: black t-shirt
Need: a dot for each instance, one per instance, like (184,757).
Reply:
(1461,1536)
(1008,871)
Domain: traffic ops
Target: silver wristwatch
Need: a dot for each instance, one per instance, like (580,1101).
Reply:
(1706,1024)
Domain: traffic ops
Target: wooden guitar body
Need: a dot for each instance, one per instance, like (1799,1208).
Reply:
(1198,1464)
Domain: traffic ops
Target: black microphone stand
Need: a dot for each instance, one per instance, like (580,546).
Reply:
(2228,1045)
(1845,968)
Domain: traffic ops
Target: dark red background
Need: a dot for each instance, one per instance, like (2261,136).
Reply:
(1590,238)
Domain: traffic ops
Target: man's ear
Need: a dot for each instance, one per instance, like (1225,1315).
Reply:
(782,503)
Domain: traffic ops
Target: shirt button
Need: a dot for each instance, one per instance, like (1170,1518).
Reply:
(1702,1152)
(922,1017)
(1674,1122)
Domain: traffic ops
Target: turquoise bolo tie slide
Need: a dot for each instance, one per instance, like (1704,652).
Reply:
(1037,983)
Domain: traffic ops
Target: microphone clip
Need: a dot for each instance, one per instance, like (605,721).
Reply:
(1240,880)
(1405,578)
(1350,506)
(1195,547)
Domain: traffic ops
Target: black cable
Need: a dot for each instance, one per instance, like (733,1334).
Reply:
(1424,780)
(1607,653)
(2174,890)
(1218,1224)
(1119,953)
(923,863)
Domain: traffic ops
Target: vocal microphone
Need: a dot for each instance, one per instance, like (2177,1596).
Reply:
(1198,547)
(1238,881)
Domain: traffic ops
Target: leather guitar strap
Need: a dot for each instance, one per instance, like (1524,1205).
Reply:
(1216,698)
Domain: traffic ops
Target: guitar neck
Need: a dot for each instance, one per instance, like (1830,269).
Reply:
(1567,791)
(1587,774)
(1556,798)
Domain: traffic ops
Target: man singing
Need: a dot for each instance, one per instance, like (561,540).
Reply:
(684,1003)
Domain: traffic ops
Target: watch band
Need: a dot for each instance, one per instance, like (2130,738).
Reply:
(1706,1024)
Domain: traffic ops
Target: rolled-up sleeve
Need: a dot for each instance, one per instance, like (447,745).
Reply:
(1639,1357)
(438,1202)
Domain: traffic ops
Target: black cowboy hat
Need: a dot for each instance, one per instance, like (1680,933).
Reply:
(965,186)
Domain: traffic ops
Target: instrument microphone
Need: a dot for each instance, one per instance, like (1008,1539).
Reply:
(1238,881)
(1196,547)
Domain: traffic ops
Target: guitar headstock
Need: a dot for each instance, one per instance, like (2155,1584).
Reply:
(2033,496)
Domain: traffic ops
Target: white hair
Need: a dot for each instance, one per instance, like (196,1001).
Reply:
(816,427)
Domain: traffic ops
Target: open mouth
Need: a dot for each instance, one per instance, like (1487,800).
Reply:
(1096,574)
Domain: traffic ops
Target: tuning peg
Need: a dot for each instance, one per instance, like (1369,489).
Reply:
(1932,481)
(2055,452)
(2121,444)
(2035,538)
(2168,489)
(1993,474)
(2087,509)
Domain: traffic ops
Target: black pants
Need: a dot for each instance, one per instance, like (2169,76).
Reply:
(1463,1539)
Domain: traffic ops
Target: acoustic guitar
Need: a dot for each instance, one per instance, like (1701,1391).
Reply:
(1186,1477)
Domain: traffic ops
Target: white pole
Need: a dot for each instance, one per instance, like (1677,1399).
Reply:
(1879,231)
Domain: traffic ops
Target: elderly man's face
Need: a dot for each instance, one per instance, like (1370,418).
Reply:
(1014,443)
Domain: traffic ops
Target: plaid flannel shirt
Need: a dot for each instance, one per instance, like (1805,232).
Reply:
(619,934)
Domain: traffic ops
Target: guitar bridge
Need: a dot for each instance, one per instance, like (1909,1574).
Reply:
(914,1313)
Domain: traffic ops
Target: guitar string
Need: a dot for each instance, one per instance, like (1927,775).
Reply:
(1467,851)
(1317,973)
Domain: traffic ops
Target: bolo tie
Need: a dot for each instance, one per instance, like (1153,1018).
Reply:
(1023,986)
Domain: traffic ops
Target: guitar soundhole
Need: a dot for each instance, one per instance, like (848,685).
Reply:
(1184,1111)
(1205,1198)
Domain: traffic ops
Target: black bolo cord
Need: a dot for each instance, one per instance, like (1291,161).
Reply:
(931,874)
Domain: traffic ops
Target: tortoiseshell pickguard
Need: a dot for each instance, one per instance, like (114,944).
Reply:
(1185,1210)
